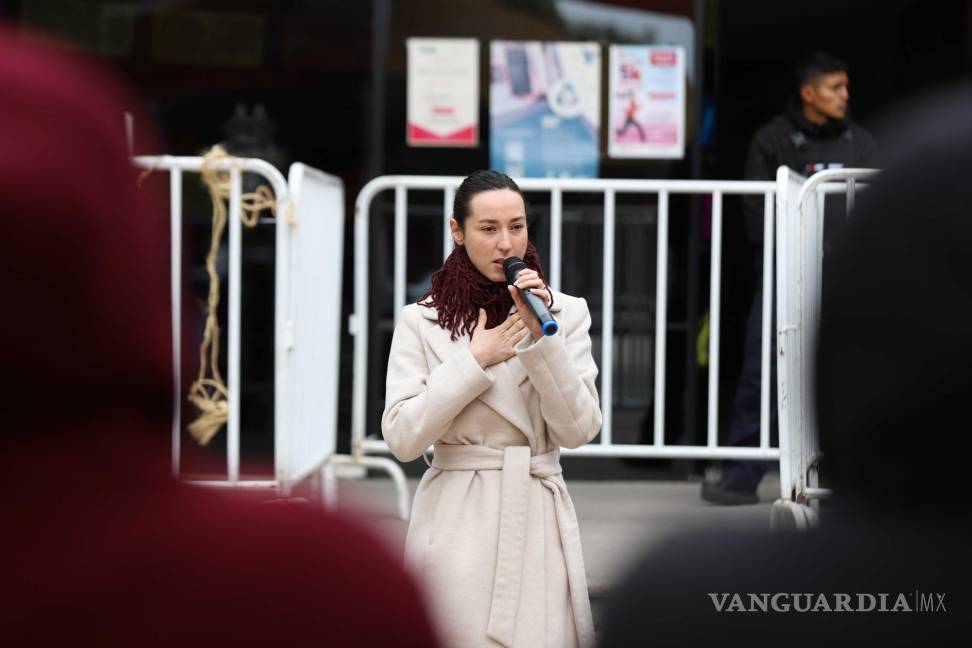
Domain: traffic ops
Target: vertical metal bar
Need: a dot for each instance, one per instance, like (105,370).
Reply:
(235,278)
(447,242)
(851,190)
(283,387)
(811,258)
(765,382)
(607,332)
(819,202)
(784,251)
(819,199)
(401,245)
(329,487)
(693,274)
(359,324)
(812,215)
(175,224)
(661,315)
(556,238)
(715,280)
(130,133)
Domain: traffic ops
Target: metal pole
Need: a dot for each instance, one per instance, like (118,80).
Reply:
(661,315)
(235,278)
(401,247)
(607,332)
(693,246)
(283,340)
(715,281)
(556,238)
(765,375)
(175,223)
(358,323)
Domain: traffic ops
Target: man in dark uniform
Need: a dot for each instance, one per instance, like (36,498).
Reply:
(812,134)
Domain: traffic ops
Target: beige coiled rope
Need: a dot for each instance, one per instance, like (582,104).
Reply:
(208,392)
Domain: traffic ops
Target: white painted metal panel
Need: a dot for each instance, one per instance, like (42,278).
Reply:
(313,326)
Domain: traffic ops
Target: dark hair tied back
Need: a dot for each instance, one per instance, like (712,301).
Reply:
(476,183)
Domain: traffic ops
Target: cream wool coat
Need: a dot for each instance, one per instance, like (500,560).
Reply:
(493,532)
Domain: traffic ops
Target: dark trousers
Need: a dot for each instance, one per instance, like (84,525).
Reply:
(744,425)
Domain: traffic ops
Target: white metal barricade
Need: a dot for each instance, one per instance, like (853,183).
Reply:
(800,222)
(556,188)
(307,274)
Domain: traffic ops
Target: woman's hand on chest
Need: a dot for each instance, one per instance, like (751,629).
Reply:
(490,346)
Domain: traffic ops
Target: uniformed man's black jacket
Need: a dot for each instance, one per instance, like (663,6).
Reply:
(806,148)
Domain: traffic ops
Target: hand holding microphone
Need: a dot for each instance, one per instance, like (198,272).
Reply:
(531,297)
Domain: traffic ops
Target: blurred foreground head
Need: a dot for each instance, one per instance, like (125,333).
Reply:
(85,328)
(104,548)
(895,355)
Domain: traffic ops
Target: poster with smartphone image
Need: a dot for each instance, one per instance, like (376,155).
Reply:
(545,108)
(646,105)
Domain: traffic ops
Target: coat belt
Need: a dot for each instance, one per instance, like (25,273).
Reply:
(518,469)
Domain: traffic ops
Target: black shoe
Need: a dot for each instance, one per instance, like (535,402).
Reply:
(728,491)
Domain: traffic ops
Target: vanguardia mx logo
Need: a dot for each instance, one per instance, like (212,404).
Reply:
(785,602)
(925,602)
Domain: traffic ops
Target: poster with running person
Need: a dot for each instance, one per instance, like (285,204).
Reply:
(647,102)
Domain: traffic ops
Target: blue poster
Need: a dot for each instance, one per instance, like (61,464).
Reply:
(544,104)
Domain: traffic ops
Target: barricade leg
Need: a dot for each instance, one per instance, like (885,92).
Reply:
(329,479)
(788,515)
(328,485)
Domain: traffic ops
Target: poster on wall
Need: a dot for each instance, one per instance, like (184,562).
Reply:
(545,108)
(647,102)
(443,92)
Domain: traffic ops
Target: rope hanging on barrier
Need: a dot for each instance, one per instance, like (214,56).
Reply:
(208,392)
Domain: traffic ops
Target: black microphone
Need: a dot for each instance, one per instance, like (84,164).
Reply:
(512,266)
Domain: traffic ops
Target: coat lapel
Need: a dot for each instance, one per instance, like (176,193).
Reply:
(504,396)
(507,395)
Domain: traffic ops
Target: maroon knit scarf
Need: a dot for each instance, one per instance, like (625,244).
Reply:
(459,290)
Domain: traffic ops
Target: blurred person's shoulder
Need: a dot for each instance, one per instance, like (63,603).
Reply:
(929,125)
(698,588)
(323,571)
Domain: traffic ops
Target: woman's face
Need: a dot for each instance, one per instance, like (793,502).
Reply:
(494,229)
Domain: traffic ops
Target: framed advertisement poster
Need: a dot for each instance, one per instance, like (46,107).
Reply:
(647,102)
(545,108)
(443,92)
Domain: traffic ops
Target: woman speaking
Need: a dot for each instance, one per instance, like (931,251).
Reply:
(493,529)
